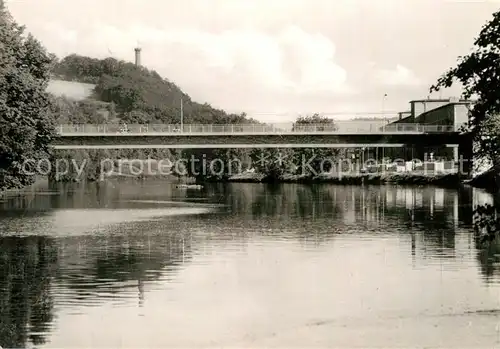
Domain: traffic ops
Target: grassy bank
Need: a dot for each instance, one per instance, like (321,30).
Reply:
(444,180)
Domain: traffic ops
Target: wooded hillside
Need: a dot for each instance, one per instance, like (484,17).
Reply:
(139,95)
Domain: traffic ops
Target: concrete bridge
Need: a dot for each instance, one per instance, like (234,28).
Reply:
(349,134)
(342,134)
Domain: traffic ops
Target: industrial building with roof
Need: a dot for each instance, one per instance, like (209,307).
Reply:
(446,112)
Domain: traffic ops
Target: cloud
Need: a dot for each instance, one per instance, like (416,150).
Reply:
(291,60)
(264,56)
(401,76)
(312,56)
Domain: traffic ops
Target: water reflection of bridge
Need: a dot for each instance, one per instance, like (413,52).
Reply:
(354,203)
(433,222)
(38,271)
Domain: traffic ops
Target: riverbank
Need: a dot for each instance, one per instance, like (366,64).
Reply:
(451,180)
(149,169)
(409,178)
(489,180)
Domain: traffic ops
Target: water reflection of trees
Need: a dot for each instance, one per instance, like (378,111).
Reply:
(113,264)
(129,256)
(107,194)
(489,260)
(27,266)
(486,220)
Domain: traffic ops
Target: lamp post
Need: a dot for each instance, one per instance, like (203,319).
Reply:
(182,115)
(383,105)
(383,113)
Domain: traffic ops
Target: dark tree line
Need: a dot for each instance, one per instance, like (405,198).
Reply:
(26,123)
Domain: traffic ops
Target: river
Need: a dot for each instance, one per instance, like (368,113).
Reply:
(146,265)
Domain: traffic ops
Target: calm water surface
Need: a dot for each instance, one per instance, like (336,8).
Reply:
(145,265)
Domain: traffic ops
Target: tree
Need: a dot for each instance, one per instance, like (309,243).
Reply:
(140,95)
(489,140)
(321,123)
(273,162)
(479,74)
(313,161)
(25,119)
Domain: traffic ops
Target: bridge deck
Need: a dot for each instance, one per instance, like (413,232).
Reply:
(339,128)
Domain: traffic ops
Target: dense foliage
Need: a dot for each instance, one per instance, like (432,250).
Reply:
(25,120)
(303,162)
(479,74)
(67,111)
(140,95)
(313,161)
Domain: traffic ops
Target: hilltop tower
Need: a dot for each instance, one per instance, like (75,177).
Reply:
(137,56)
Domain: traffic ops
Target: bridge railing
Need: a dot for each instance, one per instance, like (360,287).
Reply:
(395,128)
(168,128)
(338,127)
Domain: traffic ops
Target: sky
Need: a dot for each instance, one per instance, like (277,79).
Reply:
(273,59)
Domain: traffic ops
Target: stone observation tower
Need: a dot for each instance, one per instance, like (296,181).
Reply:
(137,56)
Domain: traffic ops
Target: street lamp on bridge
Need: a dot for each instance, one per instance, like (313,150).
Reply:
(383,106)
(387,121)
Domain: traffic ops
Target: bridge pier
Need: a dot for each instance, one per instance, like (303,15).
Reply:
(465,155)
(456,156)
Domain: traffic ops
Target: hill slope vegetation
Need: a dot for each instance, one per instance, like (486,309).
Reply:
(139,95)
